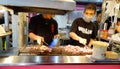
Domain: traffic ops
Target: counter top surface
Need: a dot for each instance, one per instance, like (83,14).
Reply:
(28,60)
(31,59)
(45,60)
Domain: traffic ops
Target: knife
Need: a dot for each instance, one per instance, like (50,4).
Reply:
(45,43)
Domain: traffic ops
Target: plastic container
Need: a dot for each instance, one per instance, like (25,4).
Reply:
(99,49)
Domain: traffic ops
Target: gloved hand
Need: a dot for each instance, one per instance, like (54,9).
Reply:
(54,42)
(83,41)
(40,40)
(56,36)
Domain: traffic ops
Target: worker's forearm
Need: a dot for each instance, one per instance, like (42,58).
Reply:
(33,36)
(74,36)
(118,30)
(91,42)
(57,35)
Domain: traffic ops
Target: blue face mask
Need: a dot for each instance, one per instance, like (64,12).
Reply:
(87,18)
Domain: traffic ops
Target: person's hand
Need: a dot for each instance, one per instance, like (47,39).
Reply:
(55,36)
(40,40)
(83,41)
(91,42)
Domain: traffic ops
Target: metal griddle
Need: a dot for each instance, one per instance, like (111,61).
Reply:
(26,51)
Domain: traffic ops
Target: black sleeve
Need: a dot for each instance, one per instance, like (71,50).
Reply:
(56,28)
(94,33)
(32,25)
(74,26)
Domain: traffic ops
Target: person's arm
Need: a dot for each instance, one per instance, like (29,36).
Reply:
(39,39)
(55,29)
(73,29)
(32,30)
(74,36)
(78,38)
(91,42)
(93,37)
(57,35)
(118,29)
(33,36)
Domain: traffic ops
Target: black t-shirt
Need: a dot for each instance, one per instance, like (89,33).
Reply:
(97,26)
(43,27)
(84,30)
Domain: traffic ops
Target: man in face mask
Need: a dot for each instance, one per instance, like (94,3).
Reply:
(83,30)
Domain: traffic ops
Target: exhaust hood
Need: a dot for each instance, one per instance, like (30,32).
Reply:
(41,6)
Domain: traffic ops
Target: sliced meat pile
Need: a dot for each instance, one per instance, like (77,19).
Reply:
(76,50)
(61,50)
(39,49)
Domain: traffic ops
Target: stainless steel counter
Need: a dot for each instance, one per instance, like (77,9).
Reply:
(45,60)
(6,60)
(35,60)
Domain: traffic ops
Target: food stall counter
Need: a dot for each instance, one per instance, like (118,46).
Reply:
(50,60)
